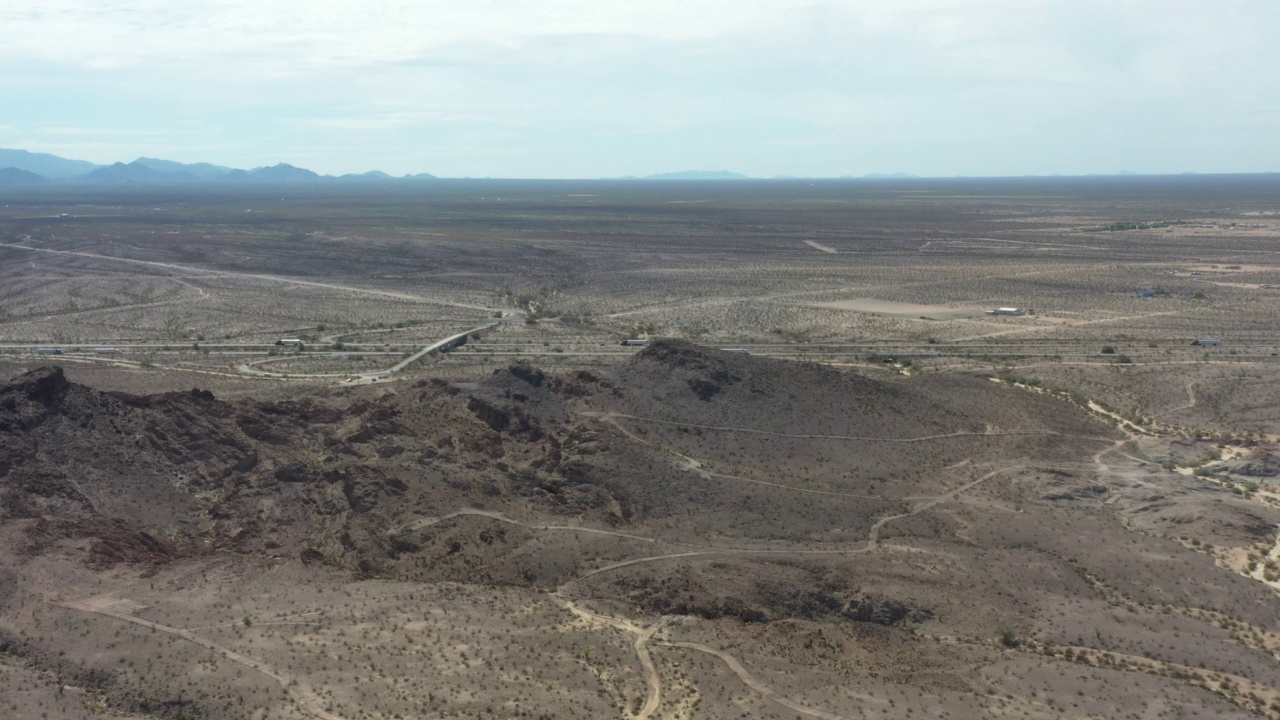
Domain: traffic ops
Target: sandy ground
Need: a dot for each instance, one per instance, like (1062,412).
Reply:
(820,247)
(893,308)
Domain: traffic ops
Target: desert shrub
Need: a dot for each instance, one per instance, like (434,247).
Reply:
(1007,636)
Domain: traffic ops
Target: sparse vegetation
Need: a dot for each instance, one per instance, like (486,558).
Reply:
(481,537)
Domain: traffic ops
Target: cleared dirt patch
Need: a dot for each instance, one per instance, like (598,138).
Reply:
(893,308)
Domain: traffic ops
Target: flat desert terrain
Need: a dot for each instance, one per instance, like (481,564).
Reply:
(387,453)
(894,308)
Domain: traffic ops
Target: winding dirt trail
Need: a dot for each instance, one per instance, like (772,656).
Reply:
(733,551)
(656,558)
(643,635)
(872,541)
(1191,400)
(305,698)
(793,488)
(502,517)
(873,535)
(654,698)
(607,416)
(695,465)
(1237,689)
(750,681)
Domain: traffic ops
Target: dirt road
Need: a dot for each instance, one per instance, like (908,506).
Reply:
(873,536)
(643,635)
(305,698)
(863,438)
(502,517)
(258,276)
(750,681)
(1191,400)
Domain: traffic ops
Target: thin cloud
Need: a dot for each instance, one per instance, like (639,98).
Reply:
(583,88)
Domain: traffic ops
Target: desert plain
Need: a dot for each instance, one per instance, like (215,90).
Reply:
(387,452)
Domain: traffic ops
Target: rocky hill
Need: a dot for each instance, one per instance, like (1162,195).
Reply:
(330,477)
(901,531)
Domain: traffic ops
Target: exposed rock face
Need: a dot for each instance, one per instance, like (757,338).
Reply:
(793,593)
(707,374)
(346,477)
(1260,464)
(29,399)
(513,419)
(533,376)
(153,478)
(45,385)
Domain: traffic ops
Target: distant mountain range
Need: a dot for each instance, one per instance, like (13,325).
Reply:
(46,166)
(14,176)
(730,175)
(698,175)
(20,167)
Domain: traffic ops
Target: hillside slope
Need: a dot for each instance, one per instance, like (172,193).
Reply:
(943,541)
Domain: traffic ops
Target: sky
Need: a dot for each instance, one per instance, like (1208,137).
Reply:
(606,88)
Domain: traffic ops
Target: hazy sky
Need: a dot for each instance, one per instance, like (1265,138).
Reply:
(589,88)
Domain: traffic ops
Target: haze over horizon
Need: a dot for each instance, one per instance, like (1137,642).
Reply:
(569,88)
